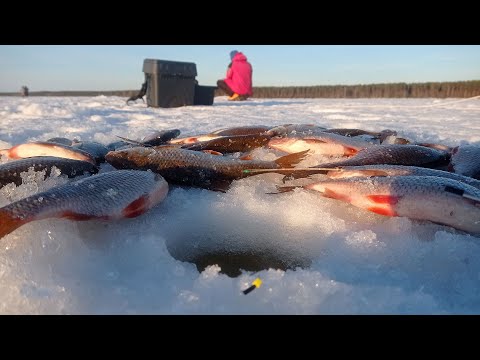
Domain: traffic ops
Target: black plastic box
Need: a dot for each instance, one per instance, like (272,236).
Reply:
(204,95)
(169,83)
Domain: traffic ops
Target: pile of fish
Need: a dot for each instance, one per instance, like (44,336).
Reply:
(376,171)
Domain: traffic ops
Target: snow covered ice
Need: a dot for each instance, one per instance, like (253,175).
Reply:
(339,259)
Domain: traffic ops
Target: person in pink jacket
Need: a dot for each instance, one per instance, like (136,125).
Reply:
(238,82)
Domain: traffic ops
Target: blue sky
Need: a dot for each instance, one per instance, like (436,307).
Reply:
(119,67)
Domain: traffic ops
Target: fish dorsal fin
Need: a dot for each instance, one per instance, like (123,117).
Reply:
(134,142)
(290,160)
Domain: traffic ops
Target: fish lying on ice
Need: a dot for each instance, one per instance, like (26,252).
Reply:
(194,168)
(107,196)
(440,200)
(320,143)
(395,155)
(396,170)
(12,170)
(231,144)
(411,155)
(233,131)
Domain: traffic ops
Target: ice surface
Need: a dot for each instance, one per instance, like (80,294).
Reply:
(327,257)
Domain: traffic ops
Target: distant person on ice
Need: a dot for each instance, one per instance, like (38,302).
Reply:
(238,82)
(24,91)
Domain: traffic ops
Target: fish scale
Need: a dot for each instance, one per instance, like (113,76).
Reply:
(466,160)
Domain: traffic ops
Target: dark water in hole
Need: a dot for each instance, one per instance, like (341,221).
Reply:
(233,262)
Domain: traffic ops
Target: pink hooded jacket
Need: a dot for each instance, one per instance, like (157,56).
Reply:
(239,75)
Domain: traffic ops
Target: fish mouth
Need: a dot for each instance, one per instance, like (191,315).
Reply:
(117,160)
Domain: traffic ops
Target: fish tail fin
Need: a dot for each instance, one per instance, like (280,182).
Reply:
(302,173)
(294,173)
(133,142)
(288,161)
(247,156)
(285,164)
(9,223)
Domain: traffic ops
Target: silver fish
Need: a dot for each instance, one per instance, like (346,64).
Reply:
(11,171)
(397,170)
(440,200)
(107,196)
(394,155)
(376,155)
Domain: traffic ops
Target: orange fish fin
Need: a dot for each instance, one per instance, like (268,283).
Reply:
(335,195)
(246,157)
(384,199)
(212,152)
(12,153)
(190,140)
(387,211)
(290,160)
(136,207)
(8,223)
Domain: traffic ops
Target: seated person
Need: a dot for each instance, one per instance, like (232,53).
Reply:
(238,82)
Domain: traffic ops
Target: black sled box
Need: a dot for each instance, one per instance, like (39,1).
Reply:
(170,83)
